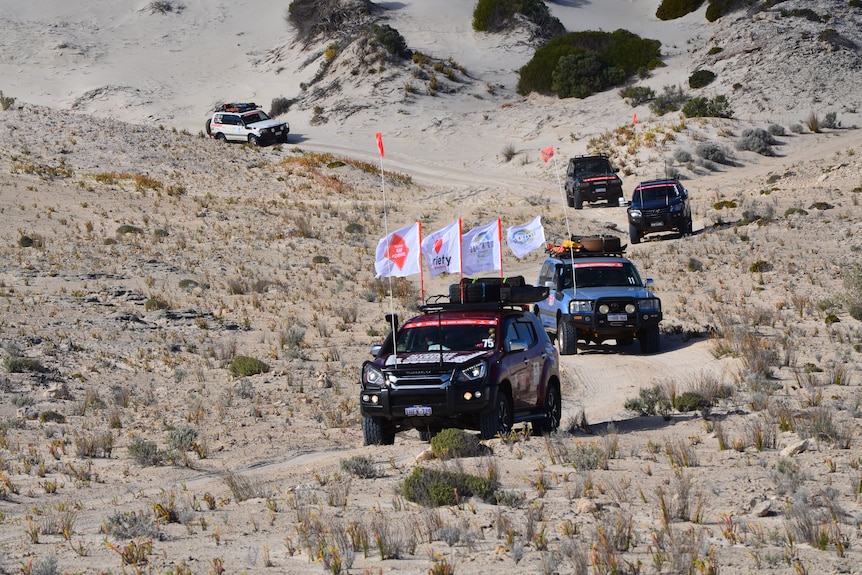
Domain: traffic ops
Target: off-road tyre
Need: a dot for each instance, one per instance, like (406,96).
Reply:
(209,127)
(253,140)
(634,234)
(567,338)
(686,227)
(570,200)
(648,338)
(376,431)
(553,410)
(578,200)
(625,341)
(221,137)
(497,418)
(427,433)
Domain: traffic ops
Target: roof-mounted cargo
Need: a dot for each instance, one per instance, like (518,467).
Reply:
(585,247)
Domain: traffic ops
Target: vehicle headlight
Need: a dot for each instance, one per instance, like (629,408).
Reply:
(651,304)
(473,373)
(580,306)
(636,214)
(372,375)
(674,208)
(604,309)
(630,308)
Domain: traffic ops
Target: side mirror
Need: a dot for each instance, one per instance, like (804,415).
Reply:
(649,283)
(516,345)
(375,349)
(551,284)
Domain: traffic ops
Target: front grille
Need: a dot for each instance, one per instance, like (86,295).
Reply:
(655,212)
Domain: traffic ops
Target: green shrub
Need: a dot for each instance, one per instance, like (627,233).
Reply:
(128,229)
(700,78)
(15,364)
(691,401)
(155,303)
(760,266)
(724,204)
(670,100)
(499,15)
(355,228)
(715,50)
(650,401)
(6,102)
(311,18)
(455,443)
(637,95)
(718,8)
(613,57)
(586,456)
(853,291)
(435,487)
(243,365)
(793,211)
(392,40)
(701,107)
(673,9)
(775,129)
(830,121)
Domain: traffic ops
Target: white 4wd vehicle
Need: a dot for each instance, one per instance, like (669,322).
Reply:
(246,123)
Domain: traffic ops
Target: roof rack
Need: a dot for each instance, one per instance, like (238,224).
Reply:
(587,247)
(237,107)
(478,306)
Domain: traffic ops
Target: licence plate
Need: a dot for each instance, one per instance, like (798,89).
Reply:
(656,224)
(601,190)
(420,410)
(617,317)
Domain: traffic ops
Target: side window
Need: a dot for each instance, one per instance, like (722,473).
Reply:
(217,119)
(547,273)
(526,332)
(511,331)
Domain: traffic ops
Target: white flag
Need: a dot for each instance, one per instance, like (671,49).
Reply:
(526,238)
(442,250)
(398,253)
(481,249)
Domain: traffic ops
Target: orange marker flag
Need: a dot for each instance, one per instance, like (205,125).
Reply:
(547,153)
(635,118)
(379,137)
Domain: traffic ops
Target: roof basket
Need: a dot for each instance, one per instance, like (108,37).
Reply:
(589,246)
(237,107)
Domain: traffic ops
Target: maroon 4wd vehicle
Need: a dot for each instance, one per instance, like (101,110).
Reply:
(478,365)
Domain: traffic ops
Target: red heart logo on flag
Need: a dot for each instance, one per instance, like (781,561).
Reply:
(438,245)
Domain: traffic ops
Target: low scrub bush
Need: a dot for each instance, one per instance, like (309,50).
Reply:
(279,106)
(391,40)
(701,107)
(700,78)
(451,443)
(6,102)
(712,152)
(145,452)
(597,61)
(16,364)
(673,9)
(499,15)
(757,140)
(436,487)
(360,466)
(130,525)
(650,401)
(243,366)
(671,99)
(637,95)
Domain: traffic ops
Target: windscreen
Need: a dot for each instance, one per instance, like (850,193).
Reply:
(258,116)
(447,335)
(600,274)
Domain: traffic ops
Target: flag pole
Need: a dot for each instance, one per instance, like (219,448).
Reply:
(419,257)
(500,243)
(392,325)
(460,258)
(565,214)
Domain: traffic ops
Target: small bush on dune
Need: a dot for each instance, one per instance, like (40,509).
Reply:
(718,8)
(711,152)
(671,99)
(311,18)
(243,365)
(701,78)
(435,487)
(360,466)
(392,40)
(455,443)
(637,95)
(673,9)
(279,106)
(499,15)
(700,107)
(757,140)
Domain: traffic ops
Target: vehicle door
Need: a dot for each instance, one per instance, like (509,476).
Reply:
(520,361)
(234,131)
(546,307)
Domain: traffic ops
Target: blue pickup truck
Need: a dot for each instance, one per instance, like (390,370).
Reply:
(594,297)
